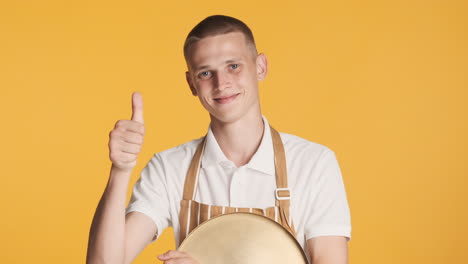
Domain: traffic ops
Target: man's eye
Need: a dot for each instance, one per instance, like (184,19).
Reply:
(204,74)
(234,66)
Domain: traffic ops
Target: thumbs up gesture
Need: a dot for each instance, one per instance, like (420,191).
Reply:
(126,139)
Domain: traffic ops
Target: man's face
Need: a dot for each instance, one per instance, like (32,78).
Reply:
(224,74)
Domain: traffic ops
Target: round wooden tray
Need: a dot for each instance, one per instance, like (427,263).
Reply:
(237,238)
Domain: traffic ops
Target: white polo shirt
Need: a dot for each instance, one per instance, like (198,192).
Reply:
(319,205)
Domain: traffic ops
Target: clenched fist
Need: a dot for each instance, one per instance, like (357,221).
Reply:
(126,139)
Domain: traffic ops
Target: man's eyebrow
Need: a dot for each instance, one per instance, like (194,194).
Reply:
(203,67)
(232,60)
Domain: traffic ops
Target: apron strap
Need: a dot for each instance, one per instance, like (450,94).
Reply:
(282,193)
(280,165)
(192,173)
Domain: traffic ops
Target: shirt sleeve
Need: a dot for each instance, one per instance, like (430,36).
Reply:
(149,195)
(328,214)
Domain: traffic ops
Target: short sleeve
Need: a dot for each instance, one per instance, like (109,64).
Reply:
(149,195)
(328,214)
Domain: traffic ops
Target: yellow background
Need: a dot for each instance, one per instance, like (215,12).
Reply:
(382,83)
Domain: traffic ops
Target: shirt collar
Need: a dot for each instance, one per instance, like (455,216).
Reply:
(262,160)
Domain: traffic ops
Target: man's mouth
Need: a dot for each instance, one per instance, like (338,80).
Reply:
(226,99)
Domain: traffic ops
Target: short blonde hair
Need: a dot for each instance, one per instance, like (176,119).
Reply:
(218,25)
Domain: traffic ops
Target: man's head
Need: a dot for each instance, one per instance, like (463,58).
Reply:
(224,68)
(218,25)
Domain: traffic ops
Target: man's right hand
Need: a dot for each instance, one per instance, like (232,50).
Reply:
(115,236)
(126,139)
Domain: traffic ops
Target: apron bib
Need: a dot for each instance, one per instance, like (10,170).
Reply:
(193,213)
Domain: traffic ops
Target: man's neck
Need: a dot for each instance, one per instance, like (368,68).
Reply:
(239,140)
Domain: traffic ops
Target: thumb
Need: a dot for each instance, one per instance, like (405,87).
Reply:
(137,107)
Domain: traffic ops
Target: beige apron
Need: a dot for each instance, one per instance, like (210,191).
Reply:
(193,213)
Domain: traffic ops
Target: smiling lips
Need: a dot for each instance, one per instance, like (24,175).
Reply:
(226,99)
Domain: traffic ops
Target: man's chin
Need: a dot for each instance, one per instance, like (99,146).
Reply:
(225,118)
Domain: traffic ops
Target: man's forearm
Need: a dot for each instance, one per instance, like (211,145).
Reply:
(107,235)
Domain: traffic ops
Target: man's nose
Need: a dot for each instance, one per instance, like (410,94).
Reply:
(222,80)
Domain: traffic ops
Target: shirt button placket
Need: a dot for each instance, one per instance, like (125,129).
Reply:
(235,189)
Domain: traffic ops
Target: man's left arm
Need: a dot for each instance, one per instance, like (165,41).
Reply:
(327,215)
(328,250)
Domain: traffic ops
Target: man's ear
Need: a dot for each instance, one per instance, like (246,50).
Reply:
(190,84)
(262,66)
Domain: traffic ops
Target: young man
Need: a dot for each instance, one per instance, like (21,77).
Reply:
(237,168)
